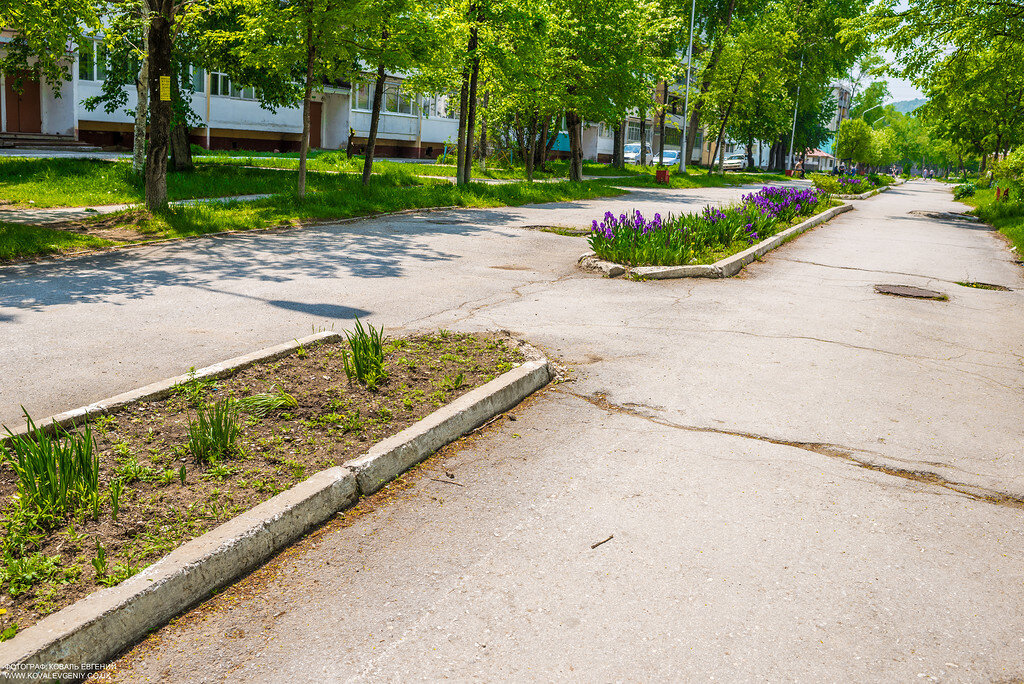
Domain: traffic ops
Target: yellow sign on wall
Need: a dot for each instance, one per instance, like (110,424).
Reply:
(165,88)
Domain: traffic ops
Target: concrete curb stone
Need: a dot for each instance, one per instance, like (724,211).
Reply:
(96,628)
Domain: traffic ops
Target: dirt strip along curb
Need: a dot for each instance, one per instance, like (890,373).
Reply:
(159,390)
(107,622)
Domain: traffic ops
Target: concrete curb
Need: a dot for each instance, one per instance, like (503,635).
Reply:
(865,195)
(732,265)
(159,390)
(393,456)
(105,623)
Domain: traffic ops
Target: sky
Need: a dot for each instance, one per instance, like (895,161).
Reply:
(902,89)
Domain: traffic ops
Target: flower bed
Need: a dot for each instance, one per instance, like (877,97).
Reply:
(850,185)
(154,474)
(632,240)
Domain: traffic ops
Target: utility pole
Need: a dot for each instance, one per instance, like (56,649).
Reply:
(686,97)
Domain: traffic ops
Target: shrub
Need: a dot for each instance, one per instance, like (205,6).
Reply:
(963,190)
(364,359)
(215,431)
(56,473)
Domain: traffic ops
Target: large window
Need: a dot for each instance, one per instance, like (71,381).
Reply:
(605,131)
(198,80)
(395,100)
(633,132)
(92,61)
(221,85)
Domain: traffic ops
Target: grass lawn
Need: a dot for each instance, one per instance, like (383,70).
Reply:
(19,242)
(643,177)
(1006,216)
(347,199)
(83,182)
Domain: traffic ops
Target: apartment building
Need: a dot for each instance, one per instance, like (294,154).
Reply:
(230,117)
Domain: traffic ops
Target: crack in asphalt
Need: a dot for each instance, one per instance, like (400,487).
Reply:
(974,492)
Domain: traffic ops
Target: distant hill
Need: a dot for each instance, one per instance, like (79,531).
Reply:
(907,106)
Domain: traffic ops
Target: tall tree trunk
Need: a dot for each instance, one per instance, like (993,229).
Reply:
(142,104)
(160,45)
(307,96)
(707,78)
(573,123)
(378,102)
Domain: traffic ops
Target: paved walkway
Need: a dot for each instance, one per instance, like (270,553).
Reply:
(42,217)
(751,444)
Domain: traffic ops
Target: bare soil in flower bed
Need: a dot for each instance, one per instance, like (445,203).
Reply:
(170,497)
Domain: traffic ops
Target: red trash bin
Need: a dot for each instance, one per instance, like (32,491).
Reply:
(661,176)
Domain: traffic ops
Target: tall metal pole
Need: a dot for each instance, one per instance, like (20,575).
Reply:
(796,106)
(686,97)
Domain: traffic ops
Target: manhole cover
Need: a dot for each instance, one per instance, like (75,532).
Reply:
(910,291)
(447,222)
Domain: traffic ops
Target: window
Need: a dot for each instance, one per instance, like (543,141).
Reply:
(221,85)
(633,132)
(92,61)
(363,97)
(605,131)
(198,80)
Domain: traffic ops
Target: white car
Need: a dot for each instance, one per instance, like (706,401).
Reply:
(735,162)
(671,157)
(632,154)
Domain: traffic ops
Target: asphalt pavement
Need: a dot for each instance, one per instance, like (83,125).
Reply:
(795,477)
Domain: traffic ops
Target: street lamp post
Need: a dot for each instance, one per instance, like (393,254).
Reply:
(686,97)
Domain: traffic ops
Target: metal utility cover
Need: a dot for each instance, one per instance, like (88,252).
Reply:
(909,291)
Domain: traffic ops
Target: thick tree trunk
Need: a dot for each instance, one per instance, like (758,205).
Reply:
(160,45)
(307,96)
(573,123)
(371,137)
(180,149)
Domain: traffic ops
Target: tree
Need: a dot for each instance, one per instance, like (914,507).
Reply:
(42,31)
(853,141)
(604,61)
(867,104)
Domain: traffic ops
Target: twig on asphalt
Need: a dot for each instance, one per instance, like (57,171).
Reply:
(457,484)
(610,537)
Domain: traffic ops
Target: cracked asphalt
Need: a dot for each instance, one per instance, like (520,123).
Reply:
(803,480)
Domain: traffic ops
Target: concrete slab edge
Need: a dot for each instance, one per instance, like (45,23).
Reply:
(161,389)
(732,265)
(98,627)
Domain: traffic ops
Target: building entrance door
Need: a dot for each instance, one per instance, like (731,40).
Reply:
(23,111)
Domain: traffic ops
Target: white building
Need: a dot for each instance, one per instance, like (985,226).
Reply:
(230,116)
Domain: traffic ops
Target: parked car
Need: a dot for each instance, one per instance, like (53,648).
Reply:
(735,162)
(671,157)
(632,153)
